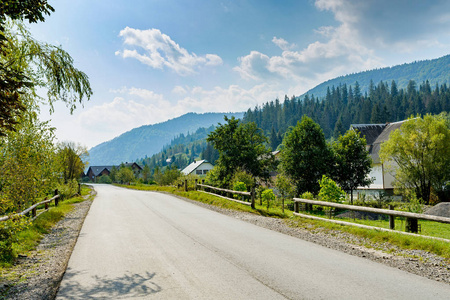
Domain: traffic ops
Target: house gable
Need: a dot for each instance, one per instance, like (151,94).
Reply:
(201,167)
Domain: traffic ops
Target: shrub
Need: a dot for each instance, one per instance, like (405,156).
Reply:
(307,195)
(330,191)
(105,179)
(8,235)
(268,195)
(68,190)
(239,186)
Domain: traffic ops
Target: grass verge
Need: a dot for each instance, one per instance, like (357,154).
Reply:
(406,242)
(29,238)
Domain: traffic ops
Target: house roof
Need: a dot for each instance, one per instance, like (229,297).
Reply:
(97,170)
(382,137)
(369,131)
(193,166)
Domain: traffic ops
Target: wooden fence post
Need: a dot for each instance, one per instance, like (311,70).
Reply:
(33,212)
(391,218)
(79,188)
(185,185)
(196,180)
(46,204)
(296,206)
(56,199)
(412,225)
(252,195)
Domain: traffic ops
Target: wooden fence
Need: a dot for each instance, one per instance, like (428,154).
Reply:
(225,193)
(411,218)
(33,208)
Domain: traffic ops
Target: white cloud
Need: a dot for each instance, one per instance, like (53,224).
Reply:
(158,50)
(365,29)
(282,43)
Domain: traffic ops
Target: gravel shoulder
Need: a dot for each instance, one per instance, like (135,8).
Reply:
(38,275)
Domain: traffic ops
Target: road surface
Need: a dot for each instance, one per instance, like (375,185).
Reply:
(146,245)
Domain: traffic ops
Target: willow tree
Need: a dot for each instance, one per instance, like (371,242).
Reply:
(27,65)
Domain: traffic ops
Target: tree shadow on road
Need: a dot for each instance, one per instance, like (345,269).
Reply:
(126,286)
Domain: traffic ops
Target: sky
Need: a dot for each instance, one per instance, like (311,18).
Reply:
(149,61)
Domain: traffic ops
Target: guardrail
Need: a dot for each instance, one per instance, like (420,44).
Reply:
(411,218)
(33,208)
(228,193)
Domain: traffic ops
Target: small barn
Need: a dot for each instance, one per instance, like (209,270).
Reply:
(200,167)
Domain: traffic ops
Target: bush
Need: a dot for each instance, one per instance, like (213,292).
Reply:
(239,186)
(243,177)
(68,190)
(307,195)
(8,235)
(104,179)
(330,191)
(268,195)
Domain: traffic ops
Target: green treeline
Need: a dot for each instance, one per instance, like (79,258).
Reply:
(345,105)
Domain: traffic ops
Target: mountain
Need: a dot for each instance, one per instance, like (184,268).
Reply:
(436,71)
(150,139)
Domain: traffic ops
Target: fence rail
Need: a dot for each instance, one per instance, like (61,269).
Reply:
(33,208)
(228,192)
(411,218)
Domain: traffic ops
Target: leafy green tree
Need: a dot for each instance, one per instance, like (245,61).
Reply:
(125,175)
(113,174)
(305,156)
(268,196)
(27,165)
(418,154)
(72,160)
(352,162)
(240,145)
(146,173)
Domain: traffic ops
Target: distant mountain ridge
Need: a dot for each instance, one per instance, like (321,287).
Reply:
(436,71)
(150,139)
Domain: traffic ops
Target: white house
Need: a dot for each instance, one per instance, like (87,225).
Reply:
(375,135)
(200,168)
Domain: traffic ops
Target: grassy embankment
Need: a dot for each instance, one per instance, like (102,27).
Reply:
(29,238)
(418,242)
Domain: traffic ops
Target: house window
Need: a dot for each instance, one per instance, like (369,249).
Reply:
(198,172)
(205,171)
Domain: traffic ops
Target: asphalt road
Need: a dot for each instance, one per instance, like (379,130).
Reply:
(145,245)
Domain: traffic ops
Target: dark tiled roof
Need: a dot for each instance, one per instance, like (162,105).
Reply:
(97,170)
(369,131)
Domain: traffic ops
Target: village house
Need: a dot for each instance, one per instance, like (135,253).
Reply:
(375,135)
(201,168)
(96,171)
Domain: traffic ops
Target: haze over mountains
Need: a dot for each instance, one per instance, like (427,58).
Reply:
(150,139)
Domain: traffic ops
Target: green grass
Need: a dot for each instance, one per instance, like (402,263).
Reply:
(402,241)
(29,238)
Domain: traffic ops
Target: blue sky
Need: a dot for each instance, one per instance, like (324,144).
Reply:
(150,61)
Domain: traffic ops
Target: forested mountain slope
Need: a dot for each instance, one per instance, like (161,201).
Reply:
(344,105)
(183,150)
(150,139)
(436,71)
